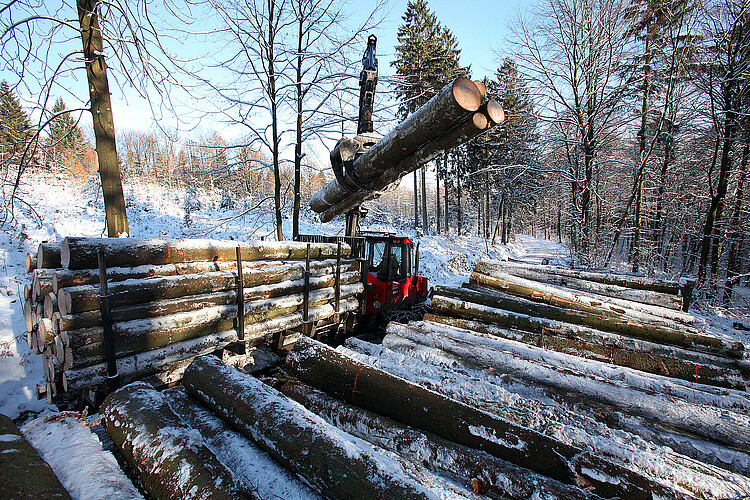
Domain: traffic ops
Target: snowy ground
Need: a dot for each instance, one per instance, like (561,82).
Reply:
(62,209)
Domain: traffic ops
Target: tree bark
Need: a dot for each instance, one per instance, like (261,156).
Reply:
(48,256)
(171,462)
(104,126)
(81,253)
(304,444)
(410,404)
(487,475)
(735,237)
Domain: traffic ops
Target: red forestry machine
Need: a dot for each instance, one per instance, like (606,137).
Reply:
(367,164)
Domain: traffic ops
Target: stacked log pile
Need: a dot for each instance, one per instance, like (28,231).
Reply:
(171,300)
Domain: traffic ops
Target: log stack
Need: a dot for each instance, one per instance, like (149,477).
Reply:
(171,300)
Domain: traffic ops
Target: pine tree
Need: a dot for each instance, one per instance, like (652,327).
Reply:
(427,58)
(64,136)
(15,129)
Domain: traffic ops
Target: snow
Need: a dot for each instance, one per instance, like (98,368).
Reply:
(61,208)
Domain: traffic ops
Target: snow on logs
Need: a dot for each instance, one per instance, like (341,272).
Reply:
(174,299)
(411,404)
(453,116)
(329,460)
(172,461)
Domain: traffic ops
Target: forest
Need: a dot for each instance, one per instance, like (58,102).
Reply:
(626,132)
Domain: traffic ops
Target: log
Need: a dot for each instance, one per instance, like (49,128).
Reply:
(23,473)
(29,315)
(169,457)
(247,461)
(41,285)
(463,132)
(50,304)
(30,262)
(80,253)
(124,293)
(611,348)
(166,307)
(87,345)
(624,280)
(147,362)
(467,299)
(323,456)
(569,299)
(63,278)
(414,405)
(545,274)
(448,107)
(48,255)
(484,473)
(713,422)
(576,421)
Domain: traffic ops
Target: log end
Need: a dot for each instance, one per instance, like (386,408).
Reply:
(495,111)
(65,253)
(481,87)
(30,262)
(467,94)
(480,121)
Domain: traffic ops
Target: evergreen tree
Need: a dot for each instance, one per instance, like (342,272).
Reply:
(64,136)
(427,58)
(15,128)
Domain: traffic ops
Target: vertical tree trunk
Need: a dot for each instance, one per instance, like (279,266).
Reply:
(274,119)
(416,202)
(447,205)
(104,126)
(298,144)
(641,155)
(733,265)
(425,225)
(458,205)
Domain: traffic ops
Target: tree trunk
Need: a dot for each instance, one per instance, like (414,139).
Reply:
(487,475)
(298,130)
(735,237)
(104,126)
(425,224)
(315,451)
(170,461)
(416,202)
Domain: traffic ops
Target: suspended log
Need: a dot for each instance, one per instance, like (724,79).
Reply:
(148,362)
(486,474)
(461,133)
(23,474)
(166,307)
(716,423)
(447,108)
(303,443)
(467,300)
(63,278)
(580,422)
(80,253)
(249,463)
(48,256)
(556,296)
(609,348)
(124,293)
(30,262)
(391,396)
(546,274)
(171,460)
(87,345)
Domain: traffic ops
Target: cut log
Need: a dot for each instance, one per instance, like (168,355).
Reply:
(465,307)
(41,285)
(23,474)
(50,304)
(64,278)
(29,315)
(590,297)
(610,348)
(487,475)
(544,274)
(83,298)
(570,299)
(166,307)
(152,333)
(713,422)
(30,262)
(247,461)
(325,457)
(582,423)
(80,253)
(148,362)
(48,256)
(388,395)
(446,109)
(172,461)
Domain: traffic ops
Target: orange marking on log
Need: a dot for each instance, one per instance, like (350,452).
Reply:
(696,372)
(169,254)
(354,389)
